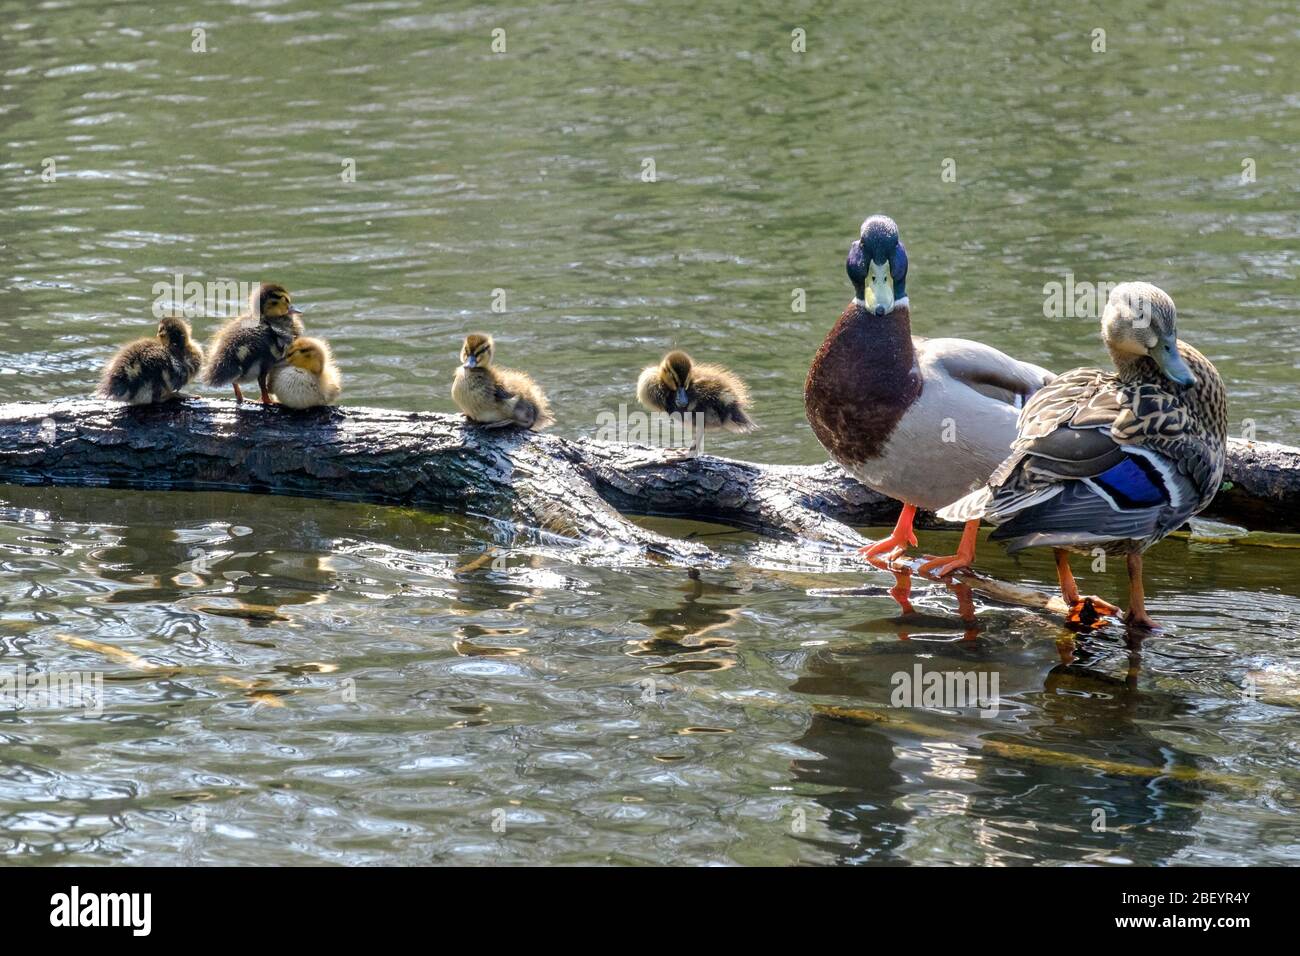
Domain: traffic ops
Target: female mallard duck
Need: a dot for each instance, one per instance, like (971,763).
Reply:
(920,420)
(712,396)
(1113,460)
(495,396)
(153,370)
(307,377)
(248,346)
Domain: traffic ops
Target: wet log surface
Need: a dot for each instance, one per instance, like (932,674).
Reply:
(578,489)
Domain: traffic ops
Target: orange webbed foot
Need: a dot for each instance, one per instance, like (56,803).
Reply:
(945,565)
(889,547)
(895,543)
(1141,620)
(1091,612)
(942,567)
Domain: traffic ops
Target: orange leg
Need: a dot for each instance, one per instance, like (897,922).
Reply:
(266,392)
(943,566)
(1069,590)
(1137,608)
(897,541)
(1087,611)
(239,395)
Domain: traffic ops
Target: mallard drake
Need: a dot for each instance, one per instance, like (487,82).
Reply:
(249,345)
(153,370)
(495,396)
(923,421)
(307,377)
(1115,460)
(712,396)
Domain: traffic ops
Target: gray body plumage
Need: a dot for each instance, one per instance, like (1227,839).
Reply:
(958,429)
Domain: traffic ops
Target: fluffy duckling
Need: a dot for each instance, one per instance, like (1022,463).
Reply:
(307,377)
(248,346)
(153,370)
(494,396)
(710,394)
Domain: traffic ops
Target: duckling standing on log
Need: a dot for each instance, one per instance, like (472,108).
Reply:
(494,396)
(1112,460)
(307,377)
(924,421)
(153,370)
(712,396)
(248,346)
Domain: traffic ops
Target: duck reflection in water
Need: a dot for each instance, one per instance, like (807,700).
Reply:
(912,624)
(688,633)
(1072,769)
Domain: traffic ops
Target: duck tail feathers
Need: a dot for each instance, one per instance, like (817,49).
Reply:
(973,506)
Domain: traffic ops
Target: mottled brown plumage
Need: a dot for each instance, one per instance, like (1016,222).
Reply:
(1113,460)
(247,347)
(153,370)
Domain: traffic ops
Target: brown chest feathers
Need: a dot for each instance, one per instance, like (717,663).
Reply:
(862,380)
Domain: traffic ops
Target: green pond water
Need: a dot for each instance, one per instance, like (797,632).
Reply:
(292,681)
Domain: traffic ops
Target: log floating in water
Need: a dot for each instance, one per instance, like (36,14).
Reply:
(576,488)
(358,454)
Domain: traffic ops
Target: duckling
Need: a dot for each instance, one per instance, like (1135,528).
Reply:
(710,394)
(153,370)
(1112,460)
(493,396)
(246,347)
(307,377)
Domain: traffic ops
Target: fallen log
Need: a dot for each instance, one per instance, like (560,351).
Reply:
(577,489)
(431,461)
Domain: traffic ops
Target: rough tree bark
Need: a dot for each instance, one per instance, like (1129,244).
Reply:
(576,488)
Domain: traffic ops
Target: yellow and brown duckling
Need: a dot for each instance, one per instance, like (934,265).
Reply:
(153,370)
(247,347)
(495,396)
(307,377)
(712,396)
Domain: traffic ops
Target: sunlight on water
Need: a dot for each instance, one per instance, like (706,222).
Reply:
(274,680)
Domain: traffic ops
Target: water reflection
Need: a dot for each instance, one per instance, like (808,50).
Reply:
(1069,769)
(689,633)
(511,678)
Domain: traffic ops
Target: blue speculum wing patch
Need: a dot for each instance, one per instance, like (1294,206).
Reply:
(1134,483)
